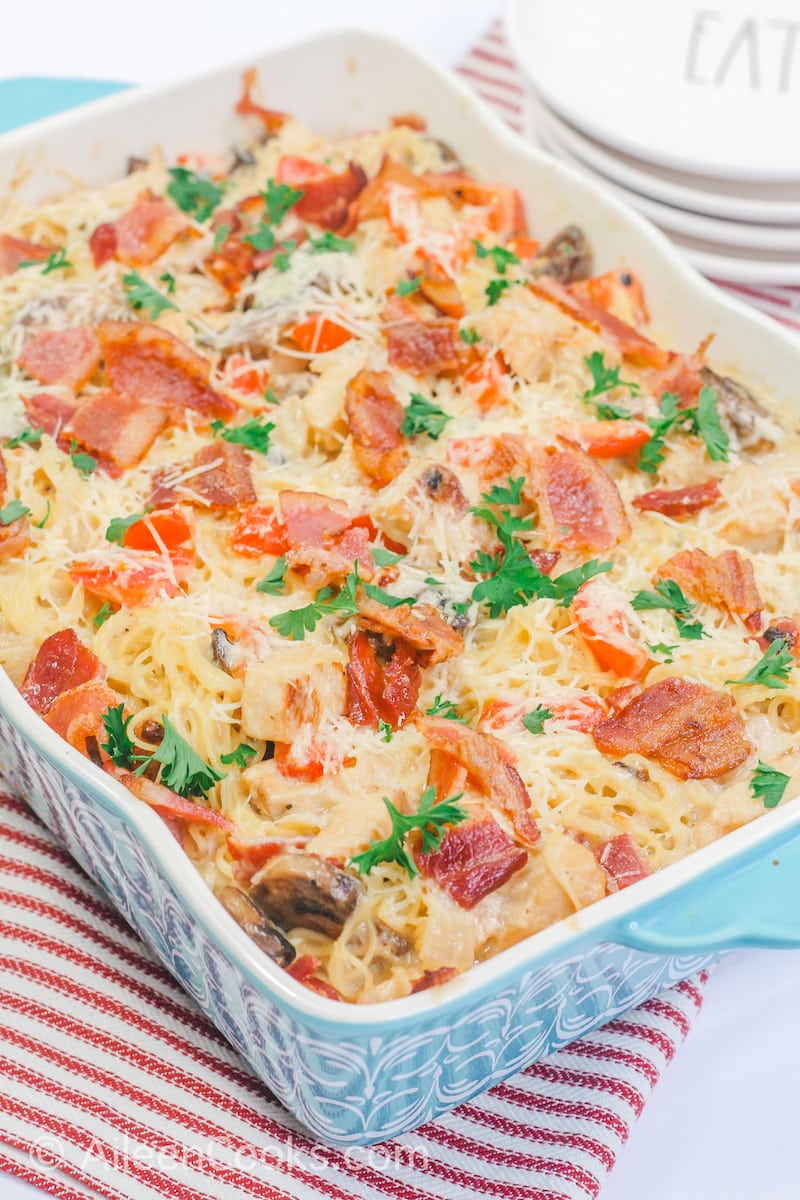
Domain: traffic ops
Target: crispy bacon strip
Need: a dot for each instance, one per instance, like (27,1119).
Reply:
(423,347)
(49,413)
(77,714)
(726,581)
(618,292)
(371,201)
(474,859)
(381,691)
(375,415)
(485,760)
(324,542)
(327,196)
(579,505)
(692,730)
(218,477)
(69,356)
(150,365)
(169,804)
(433,978)
(140,235)
(634,347)
(441,290)
(679,502)
(785,628)
(14,251)
(246,106)
(120,429)
(421,626)
(622,861)
(62,662)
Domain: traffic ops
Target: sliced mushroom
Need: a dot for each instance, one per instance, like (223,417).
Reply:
(749,421)
(441,485)
(256,925)
(567,257)
(226,651)
(301,890)
(135,163)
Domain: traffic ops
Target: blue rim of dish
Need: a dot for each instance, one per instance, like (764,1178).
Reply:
(30,97)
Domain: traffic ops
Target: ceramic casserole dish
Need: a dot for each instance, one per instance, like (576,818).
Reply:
(355,1074)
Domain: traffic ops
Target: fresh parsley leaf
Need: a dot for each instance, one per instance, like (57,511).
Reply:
(404,287)
(504,522)
(513,578)
(141,295)
(773,669)
(168,279)
(28,437)
(102,615)
(295,623)
(495,288)
(662,648)
(703,421)
(534,721)
(119,747)
(270,396)
(500,494)
(57,261)
(119,526)
(565,586)
(423,417)
(444,708)
(469,336)
(182,770)
(382,597)
(386,730)
(384,557)
(279,198)
(709,426)
(193,194)
(605,379)
(238,757)
(253,435)
(221,235)
(282,260)
(501,257)
(768,784)
(274,581)
(331,242)
(82,462)
(431,819)
(12,512)
(669,596)
(262,239)
(41,524)
(610,412)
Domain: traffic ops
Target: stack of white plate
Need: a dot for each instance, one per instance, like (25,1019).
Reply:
(690,113)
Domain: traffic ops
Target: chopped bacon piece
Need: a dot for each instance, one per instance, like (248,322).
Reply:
(49,413)
(218,477)
(77,714)
(116,427)
(379,691)
(495,457)
(246,106)
(169,804)
(410,120)
(140,235)
(579,505)
(259,530)
(485,760)
(632,345)
(68,356)
(433,978)
(399,309)
(232,262)
(784,628)
(303,970)
(604,617)
(545,560)
(606,439)
(150,365)
(14,251)
(622,862)
(318,335)
(618,292)
(726,581)
(506,209)
(692,730)
(421,626)
(679,502)
(372,200)
(375,415)
(247,376)
(62,662)
(15,537)
(474,859)
(326,196)
(441,290)
(580,712)
(323,539)
(312,518)
(320,756)
(423,347)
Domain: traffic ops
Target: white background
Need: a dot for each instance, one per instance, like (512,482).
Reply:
(723,1121)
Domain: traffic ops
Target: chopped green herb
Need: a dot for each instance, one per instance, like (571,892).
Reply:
(431,819)
(534,721)
(669,596)
(431,582)
(119,526)
(565,586)
(253,435)
(444,708)
(82,462)
(384,557)
(57,261)
(270,396)
(382,597)
(119,747)
(423,417)
(495,288)
(386,730)
(28,437)
(709,426)
(330,242)
(182,770)
(238,757)
(279,198)
(605,379)
(262,239)
(515,579)
(404,287)
(41,524)
(12,512)
(504,522)
(142,296)
(662,648)
(193,194)
(221,235)
(469,336)
(773,669)
(703,421)
(282,260)
(168,279)
(295,623)
(610,412)
(102,616)
(274,581)
(768,784)
(501,257)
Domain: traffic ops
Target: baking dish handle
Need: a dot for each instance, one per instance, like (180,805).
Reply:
(754,904)
(29,98)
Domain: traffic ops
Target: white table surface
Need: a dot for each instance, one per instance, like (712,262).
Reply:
(723,1120)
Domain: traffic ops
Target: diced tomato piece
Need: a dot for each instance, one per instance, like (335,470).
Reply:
(618,292)
(67,356)
(103,243)
(525,248)
(381,691)
(501,714)
(130,583)
(622,861)
(14,251)
(77,714)
(679,502)
(604,617)
(474,859)
(489,377)
(606,439)
(62,662)
(246,106)
(318,335)
(252,853)
(258,531)
(247,376)
(581,712)
(169,527)
(312,763)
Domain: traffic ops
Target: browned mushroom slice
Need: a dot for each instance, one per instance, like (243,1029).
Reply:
(302,890)
(256,925)
(739,409)
(567,257)
(226,652)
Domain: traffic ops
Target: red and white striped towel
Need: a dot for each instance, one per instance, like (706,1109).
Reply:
(112,1083)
